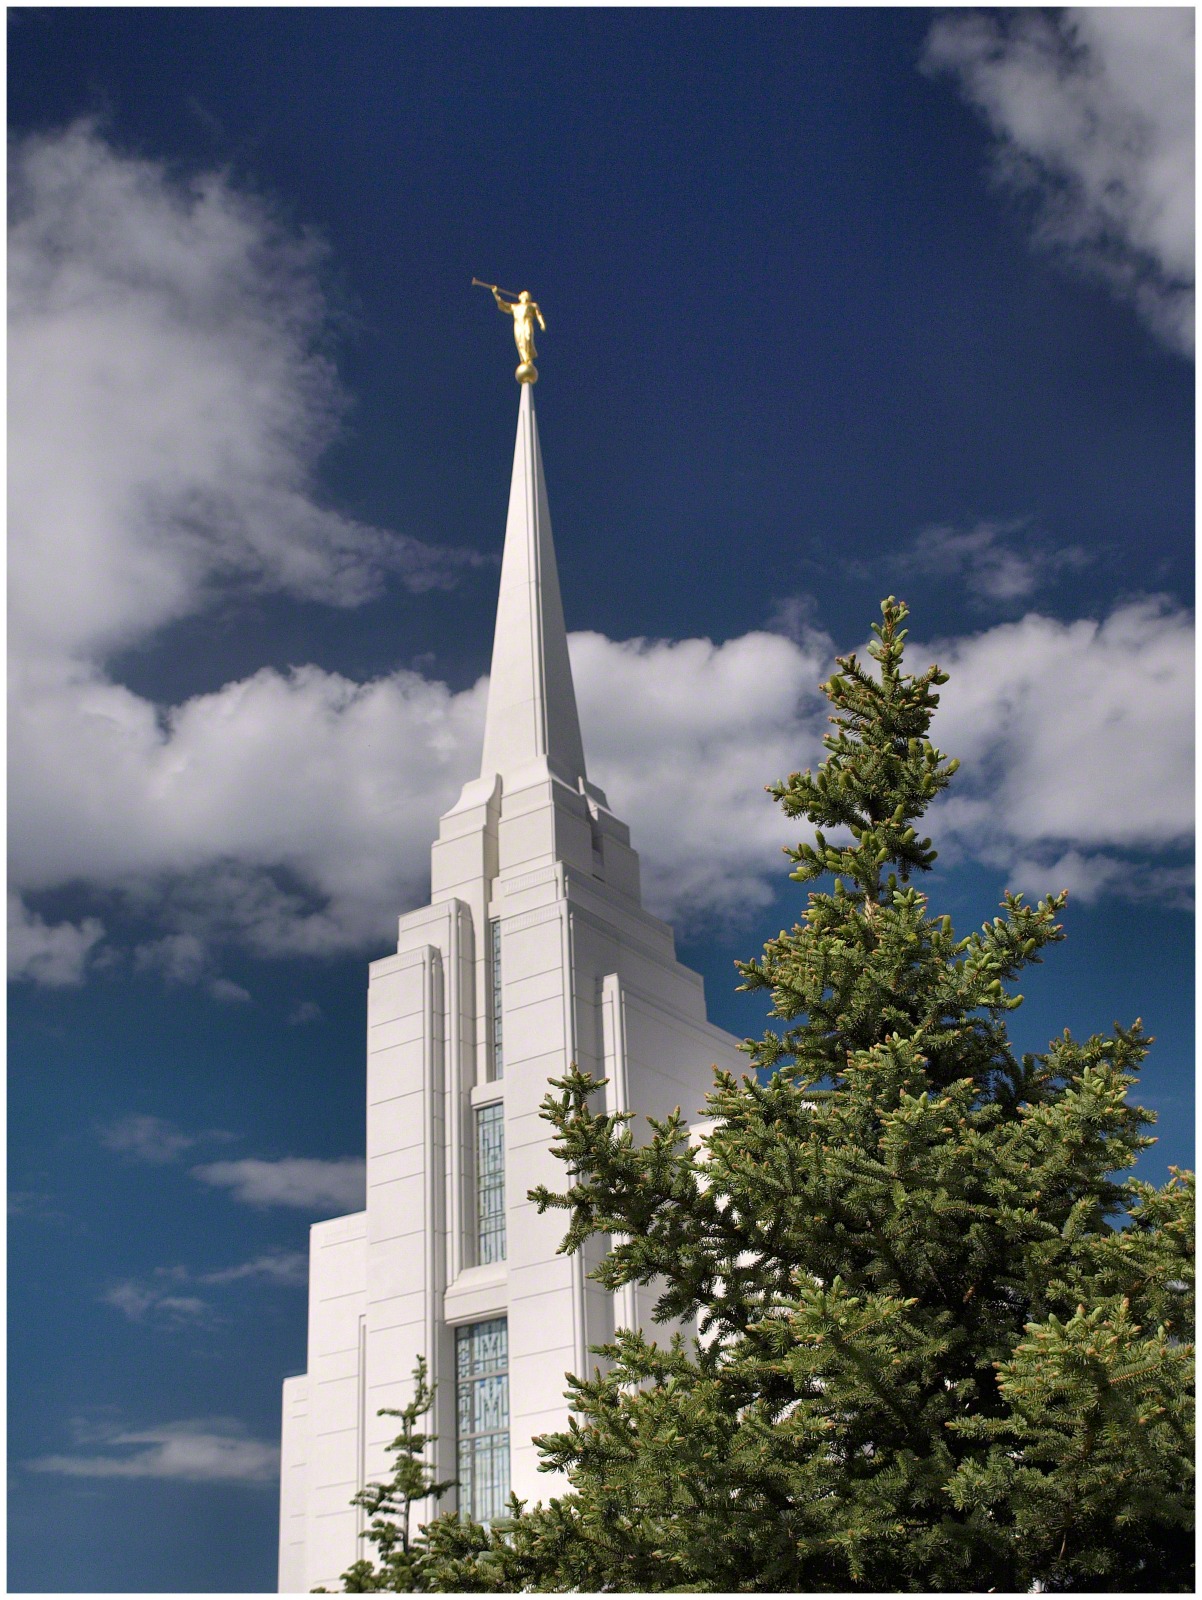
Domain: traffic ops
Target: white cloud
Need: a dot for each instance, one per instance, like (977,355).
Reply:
(56,955)
(208,1450)
(177,957)
(997,562)
(185,958)
(138,1300)
(683,735)
(301,1182)
(145,1138)
(228,992)
(168,400)
(1087,876)
(263,811)
(286,1268)
(796,616)
(304,1012)
(160,1300)
(295,813)
(1073,733)
(1094,112)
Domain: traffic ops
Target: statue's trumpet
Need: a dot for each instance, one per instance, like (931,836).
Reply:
(479,283)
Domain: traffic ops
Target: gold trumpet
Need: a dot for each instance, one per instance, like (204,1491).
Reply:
(479,283)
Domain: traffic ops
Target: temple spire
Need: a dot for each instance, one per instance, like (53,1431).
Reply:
(532,713)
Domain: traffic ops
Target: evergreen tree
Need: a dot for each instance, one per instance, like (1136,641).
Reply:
(942,1342)
(404,1555)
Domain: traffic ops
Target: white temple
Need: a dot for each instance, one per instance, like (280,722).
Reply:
(534,952)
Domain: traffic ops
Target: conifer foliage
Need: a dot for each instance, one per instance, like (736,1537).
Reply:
(403,1550)
(935,1340)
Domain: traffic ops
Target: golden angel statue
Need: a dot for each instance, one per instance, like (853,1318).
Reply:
(524,312)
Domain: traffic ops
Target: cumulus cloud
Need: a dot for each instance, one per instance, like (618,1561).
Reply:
(207,1450)
(169,398)
(683,735)
(56,955)
(300,1182)
(170,395)
(293,813)
(1077,743)
(262,812)
(1093,109)
(1081,729)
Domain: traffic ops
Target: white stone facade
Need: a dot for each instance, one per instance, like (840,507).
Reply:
(533,953)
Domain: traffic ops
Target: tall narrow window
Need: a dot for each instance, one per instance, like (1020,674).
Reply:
(482,1413)
(498,1054)
(490,1184)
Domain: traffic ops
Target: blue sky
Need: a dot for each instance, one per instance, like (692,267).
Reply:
(840,303)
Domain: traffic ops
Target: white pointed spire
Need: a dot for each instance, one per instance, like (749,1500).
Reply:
(531,702)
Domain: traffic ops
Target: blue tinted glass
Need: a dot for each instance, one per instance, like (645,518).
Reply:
(490,1184)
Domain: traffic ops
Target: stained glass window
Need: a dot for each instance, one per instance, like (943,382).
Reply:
(498,1054)
(490,1184)
(482,1414)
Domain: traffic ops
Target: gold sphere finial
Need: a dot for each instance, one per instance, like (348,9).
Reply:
(524,310)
